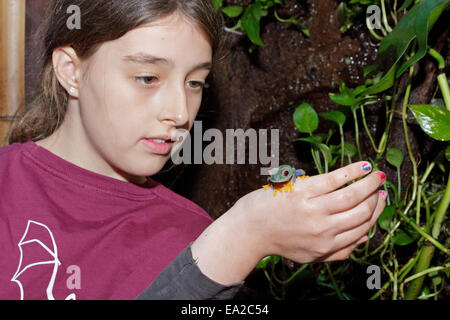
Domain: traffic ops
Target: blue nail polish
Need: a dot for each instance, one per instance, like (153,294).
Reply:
(366,166)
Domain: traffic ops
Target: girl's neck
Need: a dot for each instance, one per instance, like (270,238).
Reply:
(70,143)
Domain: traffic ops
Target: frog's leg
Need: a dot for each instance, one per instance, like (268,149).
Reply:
(291,184)
(277,187)
(266,186)
(288,186)
(274,192)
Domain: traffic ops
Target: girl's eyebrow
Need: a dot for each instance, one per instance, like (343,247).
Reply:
(146,58)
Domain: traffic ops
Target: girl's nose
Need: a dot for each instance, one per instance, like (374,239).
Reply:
(175,109)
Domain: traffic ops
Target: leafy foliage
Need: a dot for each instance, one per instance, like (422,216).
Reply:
(249,18)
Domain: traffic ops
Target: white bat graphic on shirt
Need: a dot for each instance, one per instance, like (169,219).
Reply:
(55,261)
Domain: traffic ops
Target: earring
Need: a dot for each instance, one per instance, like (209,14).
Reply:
(72,90)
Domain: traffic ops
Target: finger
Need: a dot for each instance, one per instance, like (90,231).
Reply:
(346,238)
(344,253)
(356,216)
(325,183)
(350,196)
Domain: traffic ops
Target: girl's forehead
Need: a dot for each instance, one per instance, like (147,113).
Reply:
(174,26)
(171,35)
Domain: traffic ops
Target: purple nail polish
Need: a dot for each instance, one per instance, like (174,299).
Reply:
(366,166)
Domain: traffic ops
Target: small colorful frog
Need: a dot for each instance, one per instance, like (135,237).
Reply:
(283,177)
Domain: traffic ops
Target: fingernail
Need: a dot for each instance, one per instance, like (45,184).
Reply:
(382,175)
(362,240)
(366,166)
(383,194)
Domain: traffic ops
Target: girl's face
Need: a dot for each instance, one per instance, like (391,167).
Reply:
(136,92)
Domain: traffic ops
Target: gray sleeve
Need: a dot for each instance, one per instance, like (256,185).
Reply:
(183,280)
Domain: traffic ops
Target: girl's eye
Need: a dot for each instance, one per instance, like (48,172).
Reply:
(196,84)
(146,80)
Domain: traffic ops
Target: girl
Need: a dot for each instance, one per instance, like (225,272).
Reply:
(80,219)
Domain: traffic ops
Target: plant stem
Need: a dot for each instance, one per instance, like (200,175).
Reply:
(443,84)
(367,130)
(385,22)
(341,132)
(389,116)
(430,238)
(441,210)
(355,118)
(408,146)
(333,282)
(424,272)
(372,32)
(427,253)
(442,78)
(426,202)
(420,195)
(316,158)
(293,275)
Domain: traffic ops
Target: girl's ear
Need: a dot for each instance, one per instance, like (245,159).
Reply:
(67,69)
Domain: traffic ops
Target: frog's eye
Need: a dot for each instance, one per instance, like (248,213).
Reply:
(285,173)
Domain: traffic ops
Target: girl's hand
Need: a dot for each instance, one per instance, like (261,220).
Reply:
(318,221)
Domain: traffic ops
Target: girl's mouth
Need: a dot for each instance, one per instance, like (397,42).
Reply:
(158,145)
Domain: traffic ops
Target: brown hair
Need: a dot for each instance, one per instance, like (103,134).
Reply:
(101,21)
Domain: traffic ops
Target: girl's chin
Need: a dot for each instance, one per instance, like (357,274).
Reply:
(137,173)
(151,169)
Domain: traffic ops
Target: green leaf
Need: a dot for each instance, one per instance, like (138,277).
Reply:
(266,260)
(217,4)
(447,272)
(415,24)
(405,5)
(333,161)
(383,84)
(358,90)
(304,29)
(385,218)
(394,157)
(232,11)
(427,14)
(434,275)
(401,238)
(447,153)
(325,152)
(405,236)
(345,99)
(349,149)
(314,139)
(369,69)
(342,13)
(435,121)
(335,116)
(305,118)
(250,22)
